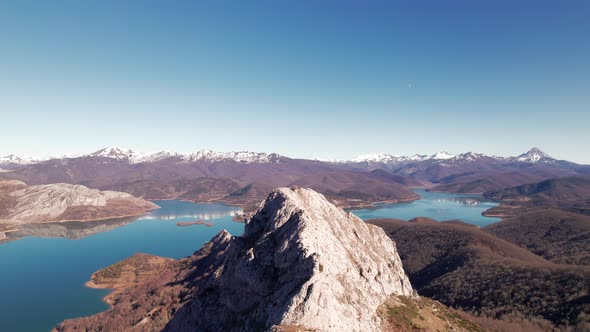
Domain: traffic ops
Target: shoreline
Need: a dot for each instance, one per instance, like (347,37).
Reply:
(119,284)
(90,284)
(15,227)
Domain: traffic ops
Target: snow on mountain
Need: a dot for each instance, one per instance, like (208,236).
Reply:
(387,158)
(394,159)
(134,157)
(442,156)
(471,156)
(145,157)
(114,153)
(534,155)
(377,158)
(238,156)
(13,159)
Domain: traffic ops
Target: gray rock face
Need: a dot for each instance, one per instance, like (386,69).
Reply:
(301,262)
(41,203)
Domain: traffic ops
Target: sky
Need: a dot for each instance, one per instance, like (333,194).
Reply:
(311,79)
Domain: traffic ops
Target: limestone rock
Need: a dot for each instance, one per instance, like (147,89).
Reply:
(61,201)
(301,262)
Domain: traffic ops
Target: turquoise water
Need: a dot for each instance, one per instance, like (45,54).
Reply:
(438,206)
(42,279)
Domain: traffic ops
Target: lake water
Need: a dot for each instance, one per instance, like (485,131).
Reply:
(438,206)
(42,278)
(43,271)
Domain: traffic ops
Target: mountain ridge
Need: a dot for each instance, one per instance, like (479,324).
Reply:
(534,155)
(169,175)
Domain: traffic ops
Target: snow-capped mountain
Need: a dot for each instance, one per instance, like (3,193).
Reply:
(238,156)
(14,159)
(135,157)
(472,156)
(165,175)
(114,153)
(534,155)
(130,156)
(442,156)
(387,158)
(384,158)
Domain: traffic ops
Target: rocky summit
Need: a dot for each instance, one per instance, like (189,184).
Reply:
(301,262)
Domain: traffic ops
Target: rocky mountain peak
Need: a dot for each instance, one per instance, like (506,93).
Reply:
(114,153)
(301,262)
(442,155)
(533,155)
(246,157)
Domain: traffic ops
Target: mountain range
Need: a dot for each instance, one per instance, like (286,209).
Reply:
(245,178)
(534,155)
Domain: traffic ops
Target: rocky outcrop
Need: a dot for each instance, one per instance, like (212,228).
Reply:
(21,204)
(301,262)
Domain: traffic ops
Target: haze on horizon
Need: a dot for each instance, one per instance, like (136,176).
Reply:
(303,79)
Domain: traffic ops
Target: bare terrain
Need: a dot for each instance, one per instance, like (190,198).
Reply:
(22,204)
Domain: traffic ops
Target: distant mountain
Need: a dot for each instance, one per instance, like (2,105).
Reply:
(13,161)
(134,157)
(471,172)
(386,159)
(165,175)
(462,266)
(534,155)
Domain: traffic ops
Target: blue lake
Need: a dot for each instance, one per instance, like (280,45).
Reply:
(43,279)
(438,206)
(44,269)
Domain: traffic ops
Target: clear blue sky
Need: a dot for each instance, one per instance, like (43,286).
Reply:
(315,79)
